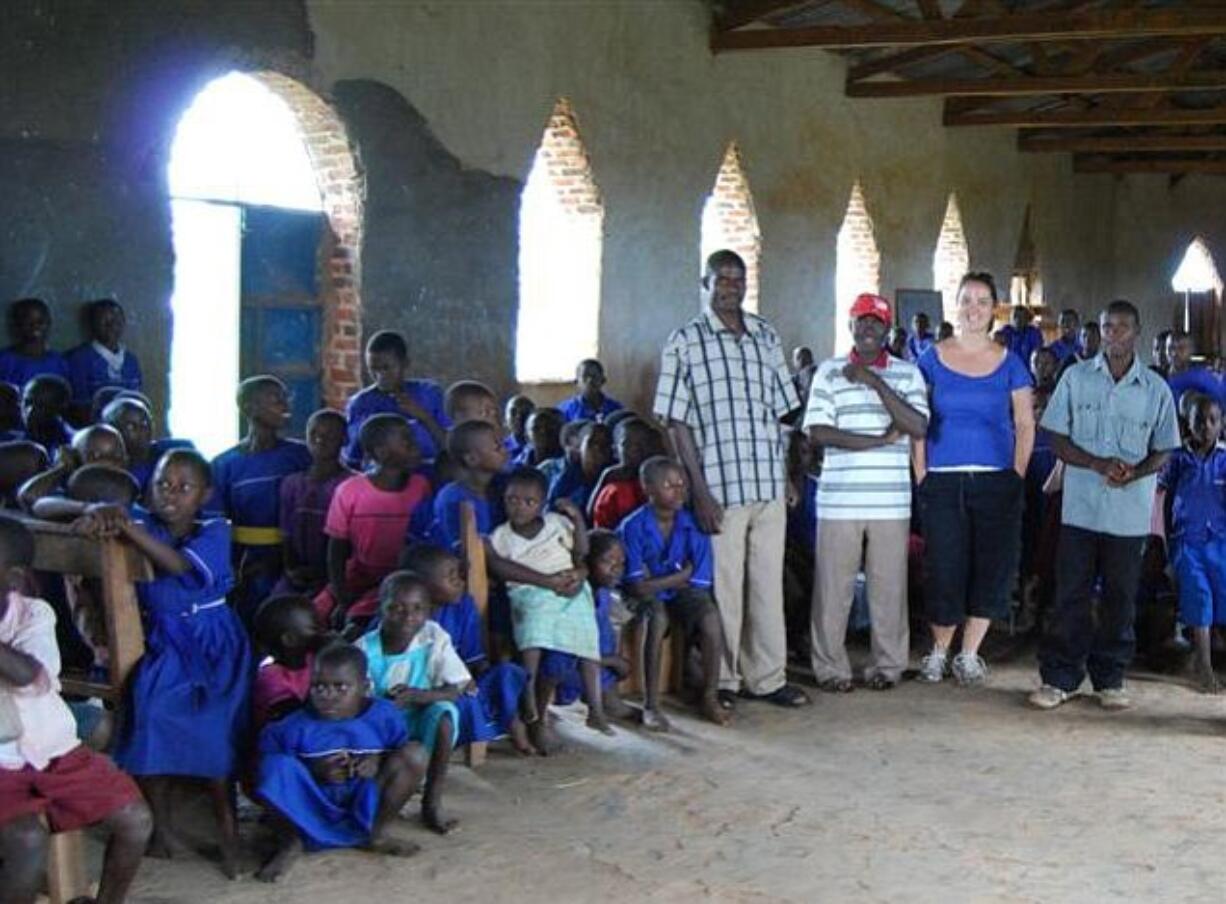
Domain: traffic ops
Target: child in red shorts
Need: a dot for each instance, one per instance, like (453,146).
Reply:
(44,770)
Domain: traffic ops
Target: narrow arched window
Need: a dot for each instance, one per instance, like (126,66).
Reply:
(729,221)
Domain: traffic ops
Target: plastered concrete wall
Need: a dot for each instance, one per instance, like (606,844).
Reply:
(656,111)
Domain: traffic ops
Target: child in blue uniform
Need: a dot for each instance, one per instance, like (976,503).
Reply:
(103,361)
(489,708)
(578,481)
(518,409)
(420,401)
(44,402)
(590,403)
(1195,480)
(338,770)
(411,662)
(29,355)
(478,458)
(133,419)
(187,712)
(669,561)
(247,487)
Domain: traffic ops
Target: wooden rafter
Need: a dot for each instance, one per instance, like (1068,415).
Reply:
(745,12)
(1115,24)
(1119,144)
(1123,166)
(1098,116)
(1031,85)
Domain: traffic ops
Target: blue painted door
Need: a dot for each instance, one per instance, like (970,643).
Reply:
(282,314)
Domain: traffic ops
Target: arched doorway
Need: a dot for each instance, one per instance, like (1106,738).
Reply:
(266,210)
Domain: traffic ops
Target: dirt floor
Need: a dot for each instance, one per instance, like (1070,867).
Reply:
(920,794)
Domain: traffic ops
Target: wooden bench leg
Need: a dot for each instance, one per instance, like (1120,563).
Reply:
(66,873)
(474,754)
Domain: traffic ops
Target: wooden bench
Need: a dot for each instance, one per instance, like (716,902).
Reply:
(473,552)
(117,566)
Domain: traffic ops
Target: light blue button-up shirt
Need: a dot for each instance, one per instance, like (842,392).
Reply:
(1127,420)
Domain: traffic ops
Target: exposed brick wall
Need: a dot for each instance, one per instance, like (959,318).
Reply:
(729,221)
(857,263)
(561,237)
(342,185)
(951,259)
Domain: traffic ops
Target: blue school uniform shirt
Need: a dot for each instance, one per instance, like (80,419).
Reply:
(247,489)
(971,420)
(1064,349)
(571,484)
(1198,490)
(1022,342)
(58,434)
(462,622)
(1195,379)
(372,400)
(918,344)
(445,527)
(89,371)
(19,369)
(142,472)
(649,555)
(577,408)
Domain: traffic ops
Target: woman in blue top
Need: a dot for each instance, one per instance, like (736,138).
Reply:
(970,471)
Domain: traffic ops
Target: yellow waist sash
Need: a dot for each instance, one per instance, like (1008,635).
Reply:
(257,536)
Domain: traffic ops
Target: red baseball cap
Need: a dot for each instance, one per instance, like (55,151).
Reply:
(870,305)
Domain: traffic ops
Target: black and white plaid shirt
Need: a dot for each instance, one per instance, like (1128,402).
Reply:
(731,392)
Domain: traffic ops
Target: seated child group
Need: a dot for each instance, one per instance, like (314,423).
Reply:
(310,637)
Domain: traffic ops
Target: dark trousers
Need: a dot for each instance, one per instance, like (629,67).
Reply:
(1077,642)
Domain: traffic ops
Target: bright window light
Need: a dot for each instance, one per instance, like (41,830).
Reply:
(237,144)
(857,265)
(1197,272)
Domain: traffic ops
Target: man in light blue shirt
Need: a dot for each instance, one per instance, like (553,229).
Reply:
(1112,422)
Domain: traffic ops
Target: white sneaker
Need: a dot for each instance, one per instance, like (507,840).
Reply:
(969,669)
(1048,697)
(932,666)
(1114,698)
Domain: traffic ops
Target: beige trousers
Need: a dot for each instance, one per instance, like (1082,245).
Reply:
(748,553)
(839,547)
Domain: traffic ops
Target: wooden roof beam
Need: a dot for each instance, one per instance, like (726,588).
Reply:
(1115,24)
(1096,116)
(1124,166)
(744,12)
(1032,85)
(1118,144)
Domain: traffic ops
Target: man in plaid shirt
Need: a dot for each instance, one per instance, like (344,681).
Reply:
(724,387)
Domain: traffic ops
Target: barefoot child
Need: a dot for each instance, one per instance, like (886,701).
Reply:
(246,487)
(132,418)
(188,707)
(410,661)
(368,519)
(286,630)
(44,770)
(305,499)
(669,562)
(489,708)
(479,458)
(578,480)
(338,770)
(541,557)
(1195,481)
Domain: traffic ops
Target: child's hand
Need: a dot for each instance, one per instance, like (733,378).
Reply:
(366,766)
(103,519)
(403,695)
(568,508)
(331,770)
(620,666)
(471,689)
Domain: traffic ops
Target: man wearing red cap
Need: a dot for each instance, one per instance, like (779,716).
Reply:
(863,409)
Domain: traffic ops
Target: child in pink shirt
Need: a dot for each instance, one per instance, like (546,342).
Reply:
(368,520)
(286,629)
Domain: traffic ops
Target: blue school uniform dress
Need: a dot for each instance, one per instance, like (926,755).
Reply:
(577,408)
(188,709)
(429,663)
(142,472)
(564,667)
(20,369)
(92,366)
(1198,533)
(327,815)
(489,713)
(372,400)
(247,490)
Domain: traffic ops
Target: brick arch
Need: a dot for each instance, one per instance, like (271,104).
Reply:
(342,185)
(951,259)
(730,221)
(857,263)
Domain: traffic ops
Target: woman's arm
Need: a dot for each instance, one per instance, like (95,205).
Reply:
(919,460)
(1023,428)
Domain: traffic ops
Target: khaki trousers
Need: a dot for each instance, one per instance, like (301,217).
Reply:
(748,553)
(839,547)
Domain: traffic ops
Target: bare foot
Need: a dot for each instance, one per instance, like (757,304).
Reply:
(436,820)
(391,847)
(617,708)
(229,858)
(711,709)
(528,710)
(279,864)
(520,740)
(1207,679)
(538,737)
(654,720)
(600,724)
(165,845)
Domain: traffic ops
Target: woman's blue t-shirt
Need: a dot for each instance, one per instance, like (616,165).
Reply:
(971,421)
